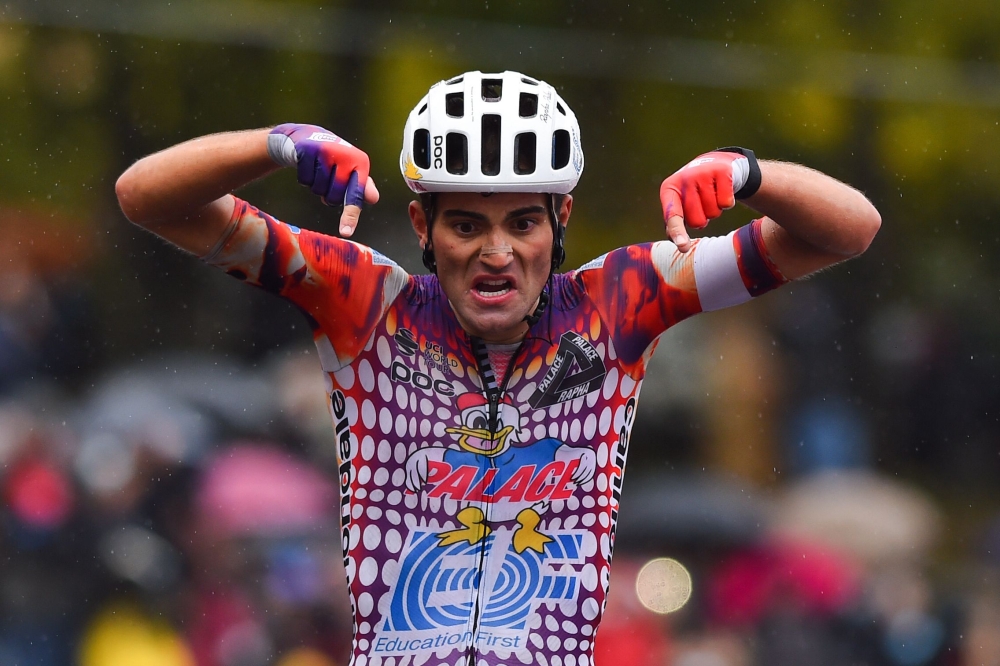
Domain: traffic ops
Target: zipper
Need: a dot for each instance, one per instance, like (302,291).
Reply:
(494,395)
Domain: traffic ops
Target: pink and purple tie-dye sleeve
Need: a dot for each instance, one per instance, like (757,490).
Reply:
(760,274)
(640,294)
(342,287)
(642,290)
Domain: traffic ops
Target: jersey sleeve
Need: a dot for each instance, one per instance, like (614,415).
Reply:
(343,288)
(642,290)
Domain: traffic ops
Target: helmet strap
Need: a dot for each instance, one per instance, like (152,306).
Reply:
(558,236)
(427,256)
(543,300)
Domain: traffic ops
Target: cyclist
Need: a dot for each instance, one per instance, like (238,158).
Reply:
(482,412)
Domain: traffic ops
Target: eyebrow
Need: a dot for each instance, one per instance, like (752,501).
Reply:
(527,210)
(458,212)
(519,212)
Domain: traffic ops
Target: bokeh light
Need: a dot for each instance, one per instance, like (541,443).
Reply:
(663,585)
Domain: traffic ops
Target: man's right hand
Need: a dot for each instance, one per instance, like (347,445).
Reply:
(330,167)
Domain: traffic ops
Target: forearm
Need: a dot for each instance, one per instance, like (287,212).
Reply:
(814,209)
(181,181)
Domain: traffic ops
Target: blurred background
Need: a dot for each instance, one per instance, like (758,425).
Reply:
(813,476)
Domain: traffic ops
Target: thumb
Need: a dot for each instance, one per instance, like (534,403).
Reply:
(371,192)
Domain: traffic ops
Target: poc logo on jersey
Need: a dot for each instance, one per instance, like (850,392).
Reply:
(422,380)
(438,588)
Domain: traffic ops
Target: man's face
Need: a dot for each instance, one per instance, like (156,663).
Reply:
(493,257)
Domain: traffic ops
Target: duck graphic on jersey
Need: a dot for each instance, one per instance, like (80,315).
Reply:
(495,477)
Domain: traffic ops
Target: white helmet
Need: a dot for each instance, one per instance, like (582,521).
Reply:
(491,133)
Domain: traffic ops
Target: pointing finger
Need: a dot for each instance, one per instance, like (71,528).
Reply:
(678,233)
(673,214)
(349,220)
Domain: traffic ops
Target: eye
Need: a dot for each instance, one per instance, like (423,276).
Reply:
(465,228)
(476,420)
(525,224)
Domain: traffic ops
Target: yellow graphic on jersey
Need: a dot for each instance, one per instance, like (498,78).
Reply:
(411,170)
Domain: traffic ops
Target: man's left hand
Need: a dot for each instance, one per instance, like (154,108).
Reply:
(699,191)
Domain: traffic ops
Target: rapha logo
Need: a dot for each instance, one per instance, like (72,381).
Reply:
(561,383)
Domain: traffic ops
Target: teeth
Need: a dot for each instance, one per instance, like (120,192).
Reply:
(493,294)
(493,288)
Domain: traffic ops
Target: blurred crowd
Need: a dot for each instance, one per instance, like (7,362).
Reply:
(171,517)
(180,512)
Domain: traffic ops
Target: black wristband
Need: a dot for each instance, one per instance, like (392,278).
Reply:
(753,178)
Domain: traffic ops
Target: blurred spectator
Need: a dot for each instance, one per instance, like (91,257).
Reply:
(45,315)
(122,635)
(629,634)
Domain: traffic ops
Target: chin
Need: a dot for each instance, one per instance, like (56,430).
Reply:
(494,325)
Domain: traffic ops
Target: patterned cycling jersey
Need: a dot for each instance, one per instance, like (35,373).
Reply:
(478,513)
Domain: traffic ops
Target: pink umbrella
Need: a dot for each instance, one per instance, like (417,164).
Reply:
(756,580)
(259,490)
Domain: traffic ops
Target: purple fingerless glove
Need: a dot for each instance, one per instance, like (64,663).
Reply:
(330,167)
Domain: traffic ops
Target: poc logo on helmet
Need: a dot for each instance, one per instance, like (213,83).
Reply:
(438,152)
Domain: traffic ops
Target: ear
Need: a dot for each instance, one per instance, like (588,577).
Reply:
(565,210)
(419,222)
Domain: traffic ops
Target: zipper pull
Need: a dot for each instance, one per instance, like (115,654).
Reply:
(494,399)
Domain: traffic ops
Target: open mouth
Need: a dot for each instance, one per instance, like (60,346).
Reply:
(493,288)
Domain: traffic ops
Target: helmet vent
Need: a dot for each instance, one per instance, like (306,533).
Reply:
(422,148)
(492,90)
(491,144)
(528,105)
(524,153)
(454,104)
(422,109)
(530,82)
(457,79)
(560,149)
(456,150)
(559,106)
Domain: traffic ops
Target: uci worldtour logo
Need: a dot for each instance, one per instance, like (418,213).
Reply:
(440,588)
(433,353)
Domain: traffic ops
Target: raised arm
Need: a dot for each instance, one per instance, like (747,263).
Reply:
(183,193)
(812,220)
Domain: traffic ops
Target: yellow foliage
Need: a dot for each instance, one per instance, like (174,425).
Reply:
(910,144)
(396,82)
(305,657)
(121,635)
(814,118)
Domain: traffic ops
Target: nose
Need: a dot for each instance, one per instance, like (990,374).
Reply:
(496,252)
